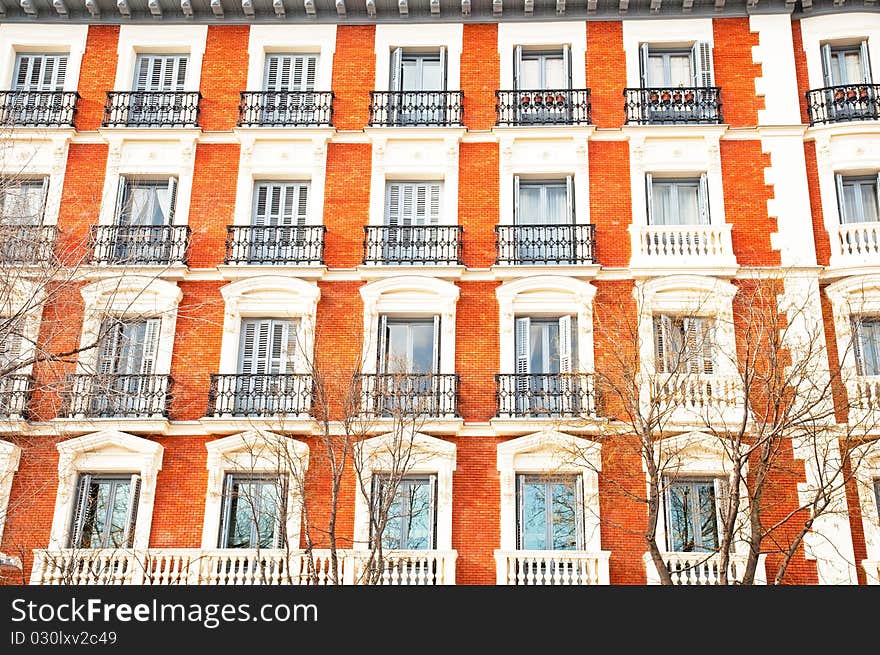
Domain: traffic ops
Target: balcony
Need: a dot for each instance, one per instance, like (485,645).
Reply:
(872,571)
(863,393)
(856,244)
(117,396)
(38,108)
(700,105)
(416,108)
(279,394)
(682,247)
(546,395)
(523,245)
(145,245)
(703,568)
(193,566)
(285,109)
(275,245)
(152,109)
(842,103)
(14,395)
(701,399)
(412,244)
(27,244)
(551,567)
(543,107)
(387,395)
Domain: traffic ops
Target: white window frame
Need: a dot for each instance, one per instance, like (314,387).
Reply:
(10,455)
(546,295)
(428,456)
(269,296)
(254,451)
(111,452)
(867,473)
(129,297)
(409,296)
(550,452)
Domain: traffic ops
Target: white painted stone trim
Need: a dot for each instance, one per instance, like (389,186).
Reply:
(58,39)
(545,295)
(778,81)
(109,451)
(409,295)
(665,32)
(427,455)
(425,35)
(297,39)
(550,452)
(552,35)
(848,27)
(171,39)
(37,153)
(255,451)
(269,296)
(10,455)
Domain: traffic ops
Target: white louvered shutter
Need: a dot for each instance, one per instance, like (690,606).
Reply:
(392,206)
(443,66)
(290,72)
(649,197)
(569,198)
(866,62)
(108,348)
(701,57)
(37,72)
(283,346)
(841,202)
(383,344)
(160,73)
(856,324)
(517,67)
(643,64)
(522,345)
(566,63)
(566,363)
(436,354)
(12,346)
(703,200)
(395,83)
(225,511)
(134,497)
(172,200)
(661,327)
(827,70)
(81,510)
(150,346)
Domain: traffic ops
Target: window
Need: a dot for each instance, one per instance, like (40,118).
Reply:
(543,202)
(550,512)
(683,344)
(848,64)
(676,67)
(278,206)
(22,201)
(253,511)
(546,346)
(290,72)
(268,346)
(536,70)
(857,199)
(160,73)
(691,515)
(866,345)
(418,71)
(39,72)
(412,203)
(143,202)
(409,345)
(105,511)
(411,514)
(877,495)
(678,201)
(128,348)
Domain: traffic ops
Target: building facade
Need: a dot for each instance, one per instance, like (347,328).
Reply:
(436,209)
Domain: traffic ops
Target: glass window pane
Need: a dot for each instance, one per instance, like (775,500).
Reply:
(530,206)
(410,75)
(869,201)
(557,205)
(708,518)
(555,75)
(397,358)
(118,514)
(656,75)
(254,512)
(679,528)
(852,63)
(870,346)
(21,202)
(680,70)
(688,204)
(530,73)
(534,516)
(146,203)
(850,203)
(417,499)
(661,193)
(422,348)
(432,75)
(564,516)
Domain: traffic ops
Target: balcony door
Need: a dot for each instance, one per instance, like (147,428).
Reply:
(678,201)
(288,80)
(680,81)
(36,79)
(849,69)
(126,357)
(155,74)
(542,70)
(145,209)
(253,511)
(417,81)
(105,511)
(22,201)
(541,208)
(550,512)
(278,208)
(546,349)
(858,199)
(411,512)
(410,209)
(266,353)
(683,345)
(691,515)
(409,359)
(866,345)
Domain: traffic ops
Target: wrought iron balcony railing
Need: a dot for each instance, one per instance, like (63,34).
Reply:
(117,396)
(673,105)
(27,244)
(412,244)
(545,395)
(14,395)
(285,108)
(139,244)
(543,107)
(409,394)
(252,244)
(845,102)
(416,108)
(278,394)
(38,108)
(545,244)
(152,109)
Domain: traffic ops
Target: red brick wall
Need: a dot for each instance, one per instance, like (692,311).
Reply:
(97,75)
(610,201)
(476,349)
(181,486)
(346,203)
(735,72)
(212,204)
(478,202)
(606,72)
(354,75)
(480,75)
(196,348)
(224,75)
(745,202)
